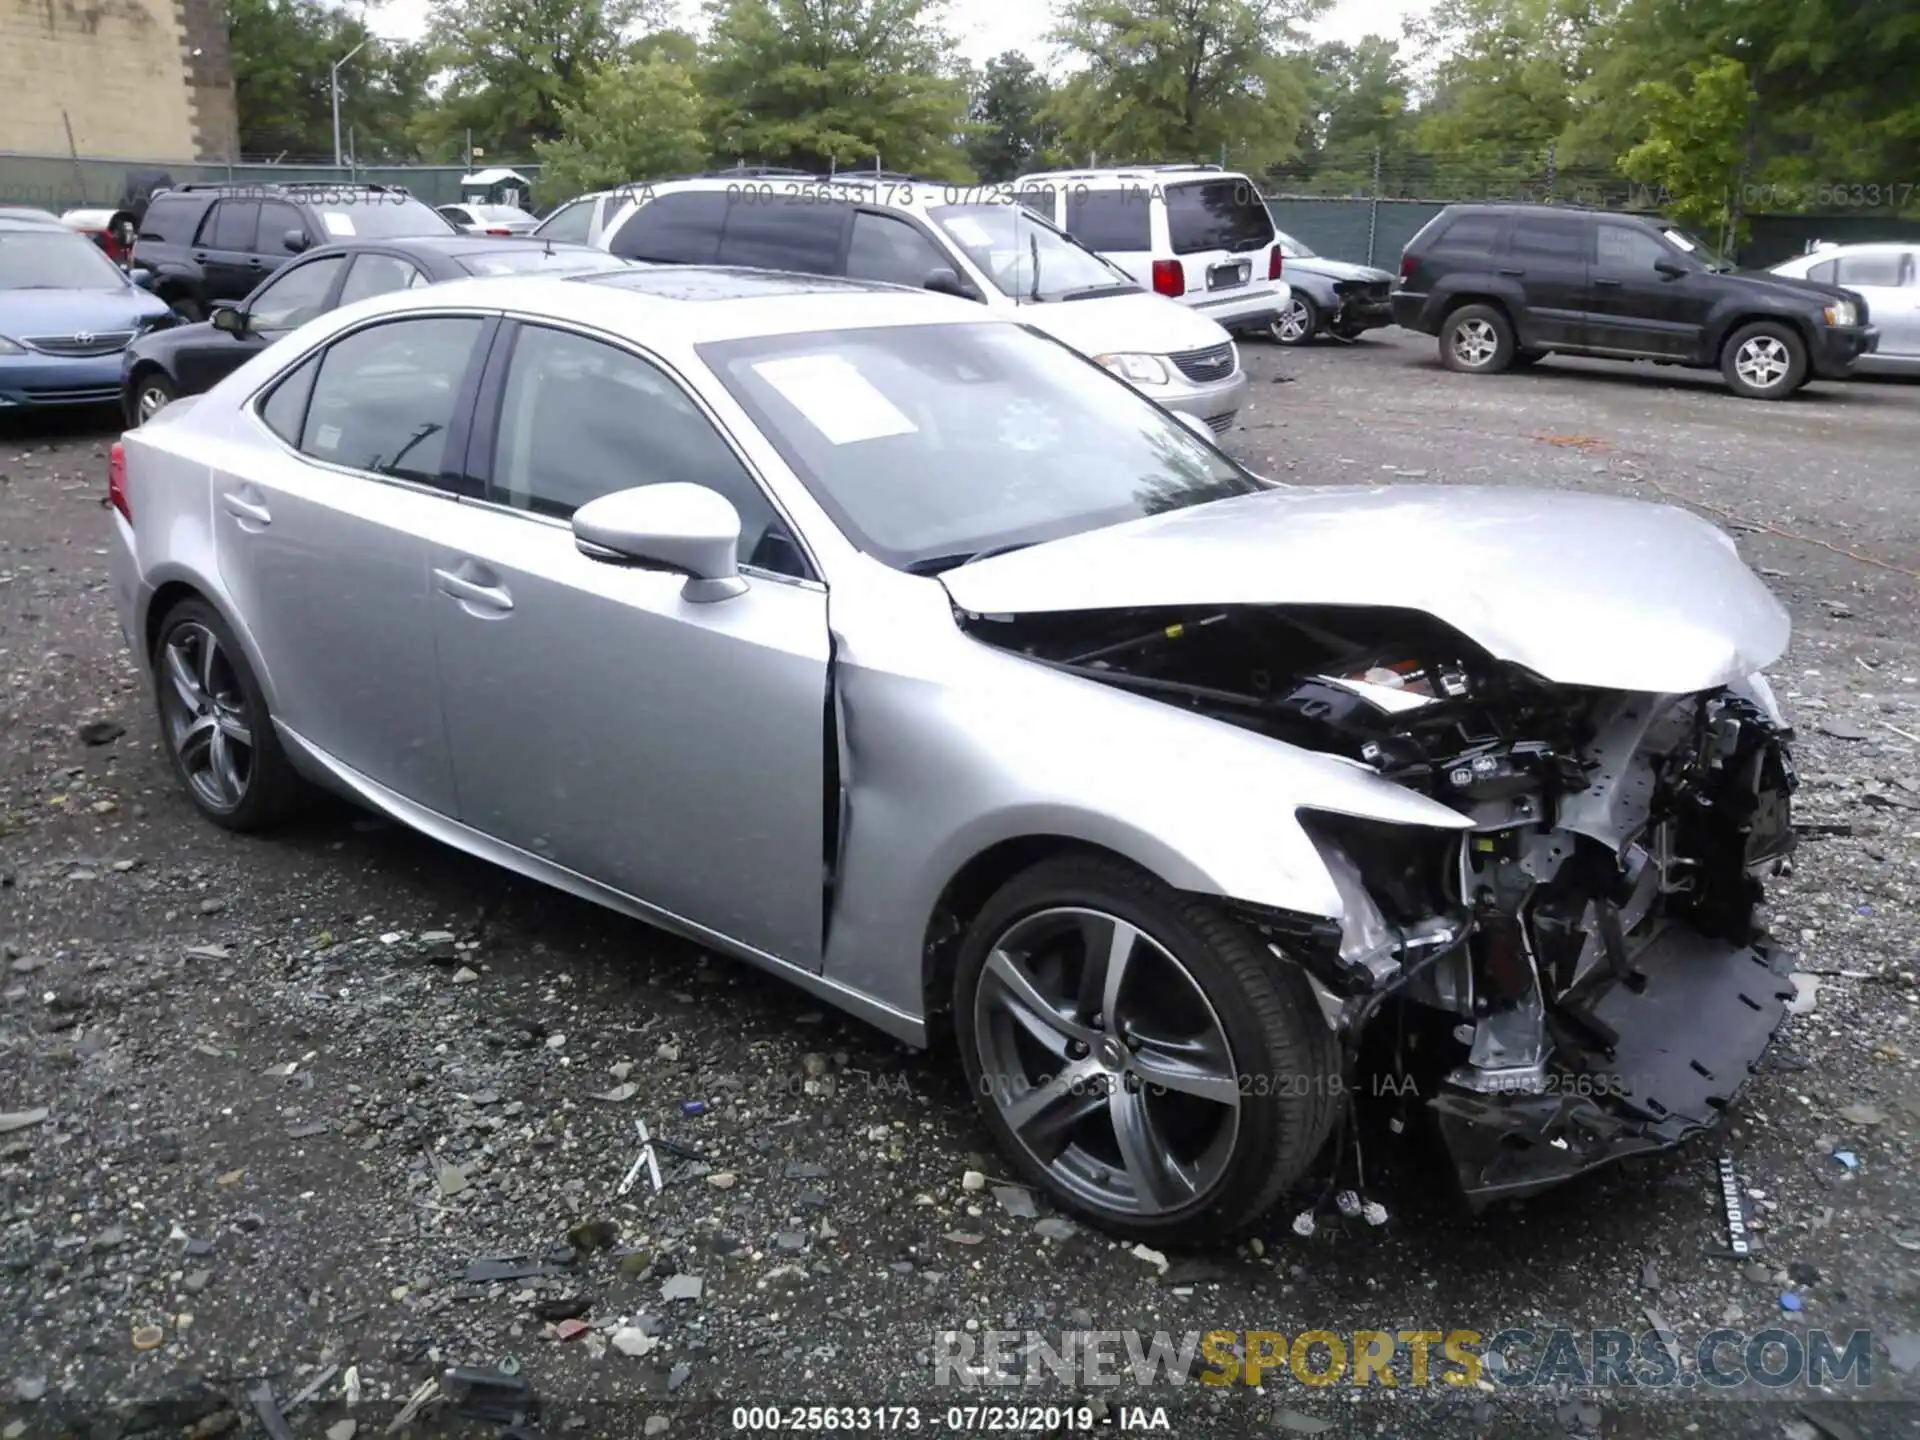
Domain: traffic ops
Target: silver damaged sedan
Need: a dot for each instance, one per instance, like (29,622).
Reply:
(903,652)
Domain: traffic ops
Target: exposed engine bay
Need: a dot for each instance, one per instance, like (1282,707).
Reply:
(1584,965)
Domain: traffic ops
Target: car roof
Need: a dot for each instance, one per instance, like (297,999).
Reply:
(886,192)
(1155,174)
(454,246)
(23,225)
(698,303)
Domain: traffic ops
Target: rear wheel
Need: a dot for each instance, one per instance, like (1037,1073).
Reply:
(214,721)
(152,393)
(1138,1053)
(1766,360)
(1477,340)
(1298,321)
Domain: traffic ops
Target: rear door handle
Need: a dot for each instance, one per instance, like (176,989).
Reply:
(202,256)
(247,512)
(491,598)
(1609,284)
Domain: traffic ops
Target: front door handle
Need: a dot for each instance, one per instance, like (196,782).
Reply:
(1512,270)
(201,256)
(247,512)
(1607,284)
(494,599)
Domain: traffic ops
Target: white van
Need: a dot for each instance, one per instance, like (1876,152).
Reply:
(968,241)
(1193,233)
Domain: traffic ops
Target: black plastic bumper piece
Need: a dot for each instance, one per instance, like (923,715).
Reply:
(1689,1021)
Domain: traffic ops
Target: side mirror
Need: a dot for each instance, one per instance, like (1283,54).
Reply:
(1196,425)
(230,318)
(295,241)
(1671,269)
(140,275)
(943,281)
(685,528)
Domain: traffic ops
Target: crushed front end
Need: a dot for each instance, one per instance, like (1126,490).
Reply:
(1580,975)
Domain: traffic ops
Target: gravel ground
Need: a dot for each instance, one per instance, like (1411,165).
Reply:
(296,1087)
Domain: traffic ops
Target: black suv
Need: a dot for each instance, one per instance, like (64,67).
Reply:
(217,241)
(1504,285)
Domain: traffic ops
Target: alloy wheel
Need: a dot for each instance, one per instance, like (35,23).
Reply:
(153,400)
(1475,343)
(1762,361)
(206,716)
(1106,1061)
(1291,327)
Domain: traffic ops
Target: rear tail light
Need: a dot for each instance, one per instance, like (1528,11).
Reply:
(117,481)
(1273,263)
(1408,264)
(498,230)
(1169,278)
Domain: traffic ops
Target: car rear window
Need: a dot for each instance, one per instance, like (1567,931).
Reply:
(1215,215)
(1111,219)
(784,233)
(679,229)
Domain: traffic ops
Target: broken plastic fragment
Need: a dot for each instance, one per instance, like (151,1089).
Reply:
(1374,1212)
(1303,1223)
(1348,1204)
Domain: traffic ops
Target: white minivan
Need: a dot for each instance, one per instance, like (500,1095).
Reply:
(968,241)
(1193,233)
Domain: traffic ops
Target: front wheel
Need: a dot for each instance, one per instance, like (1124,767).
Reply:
(1298,322)
(1765,361)
(152,393)
(1139,1054)
(214,721)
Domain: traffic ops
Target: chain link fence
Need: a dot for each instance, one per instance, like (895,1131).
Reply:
(64,182)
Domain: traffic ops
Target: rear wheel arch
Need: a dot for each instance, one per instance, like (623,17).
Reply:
(168,596)
(1454,303)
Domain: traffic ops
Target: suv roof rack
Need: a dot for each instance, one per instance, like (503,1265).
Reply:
(284,185)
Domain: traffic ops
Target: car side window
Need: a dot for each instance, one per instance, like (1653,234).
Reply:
(678,229)
(276,219)
(1883,269)
(169,219)
(379,275)
(285,408)
(1111,219)
(1471,232)
(783,233)
(231,225)
(1625,250)
(580,419)
(1824,271)
(1548,239)
(385,396)
(889,249)
(294,296)
(457,215)
(572,222)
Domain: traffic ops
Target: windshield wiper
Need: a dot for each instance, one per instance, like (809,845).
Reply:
(936,564)
(1094,292)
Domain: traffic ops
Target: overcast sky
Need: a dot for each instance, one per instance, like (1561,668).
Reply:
(987,27)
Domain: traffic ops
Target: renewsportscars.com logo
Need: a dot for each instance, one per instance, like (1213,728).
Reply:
(1389,1359)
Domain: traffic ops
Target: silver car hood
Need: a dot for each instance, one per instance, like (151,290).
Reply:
(1580,589)
(1335,269)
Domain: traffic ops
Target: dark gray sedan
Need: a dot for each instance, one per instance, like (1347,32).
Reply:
(1329,296)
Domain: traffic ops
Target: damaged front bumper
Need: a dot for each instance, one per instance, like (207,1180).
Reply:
(1689,1022)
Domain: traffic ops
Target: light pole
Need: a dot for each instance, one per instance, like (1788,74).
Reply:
(333,80)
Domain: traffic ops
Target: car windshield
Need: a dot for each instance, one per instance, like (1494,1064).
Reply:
(1692,245)
(933,444)
(54,260)
(573,259)
(1026,258)
(1291,248)
(379,215)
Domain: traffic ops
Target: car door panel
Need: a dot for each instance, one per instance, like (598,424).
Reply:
(1546,256)
(329,561)
(1633,308)
(223,249)
(601,722)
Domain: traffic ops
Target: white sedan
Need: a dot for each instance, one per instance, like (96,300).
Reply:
(1887,277)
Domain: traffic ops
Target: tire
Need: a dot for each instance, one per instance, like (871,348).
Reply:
(1192,976)
(190,310)
(1476,340)
(1298,323)
(215,725)
(1766,360)
(151,392)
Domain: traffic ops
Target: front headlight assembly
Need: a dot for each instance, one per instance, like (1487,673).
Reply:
(1136,369)
(1842,312)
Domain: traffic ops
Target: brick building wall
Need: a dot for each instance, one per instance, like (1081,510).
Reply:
(137,79)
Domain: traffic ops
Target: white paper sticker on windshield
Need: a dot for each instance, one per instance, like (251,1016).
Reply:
(337,224)
(969,231)
(1677,238)
(840,402)
(327,437)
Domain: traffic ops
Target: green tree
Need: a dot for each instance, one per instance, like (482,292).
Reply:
(1010,132)
(283,51)
(636,120)
(1185,79)
(1696,151)
(1361,105)
(820,84)
(510,66)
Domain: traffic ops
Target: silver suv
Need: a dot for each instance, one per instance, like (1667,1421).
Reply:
(970,241)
